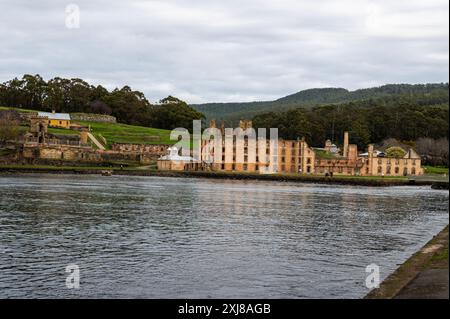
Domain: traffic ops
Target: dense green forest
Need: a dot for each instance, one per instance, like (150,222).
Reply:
(405,118)
(76,95)
(231,113)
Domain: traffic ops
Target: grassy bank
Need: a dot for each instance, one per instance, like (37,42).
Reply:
(123,133)
(436,170)
(113,132)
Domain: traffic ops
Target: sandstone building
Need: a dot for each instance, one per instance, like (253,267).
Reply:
(255,155)
(297,157)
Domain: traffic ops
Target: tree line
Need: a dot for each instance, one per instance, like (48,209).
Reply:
(404,118)
(76,95)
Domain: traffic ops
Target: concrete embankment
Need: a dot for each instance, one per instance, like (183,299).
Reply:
(363,181)
(423,276)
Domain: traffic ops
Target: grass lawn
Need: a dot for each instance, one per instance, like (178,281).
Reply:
(123,133)
(16,109)
(436,170)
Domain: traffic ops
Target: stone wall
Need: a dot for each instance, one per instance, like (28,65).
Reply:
(25,117)
(155,150)
(89,117)
(67,153)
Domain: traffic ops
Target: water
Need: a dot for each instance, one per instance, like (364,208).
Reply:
(152,237)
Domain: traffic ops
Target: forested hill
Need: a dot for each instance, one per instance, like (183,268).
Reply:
(231,113)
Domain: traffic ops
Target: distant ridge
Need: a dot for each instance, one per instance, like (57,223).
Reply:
(232,112)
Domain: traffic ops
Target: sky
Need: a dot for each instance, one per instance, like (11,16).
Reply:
(228,50)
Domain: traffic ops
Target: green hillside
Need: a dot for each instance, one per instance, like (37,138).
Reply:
(231,113)
(113,132)
(123,133)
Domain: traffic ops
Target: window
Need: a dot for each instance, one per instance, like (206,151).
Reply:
(308,161)
(397,170)
(388,170)
(245,167)
(380,169)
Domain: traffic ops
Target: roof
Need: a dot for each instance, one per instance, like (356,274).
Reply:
(173,156)
(55,116)
(376,153)
(411,154)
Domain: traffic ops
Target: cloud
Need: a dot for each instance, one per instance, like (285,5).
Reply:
(205,51)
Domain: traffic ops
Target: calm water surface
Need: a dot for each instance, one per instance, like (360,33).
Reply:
(153,237)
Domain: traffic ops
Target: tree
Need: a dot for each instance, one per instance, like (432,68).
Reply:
(435,152)
(395,152)
(173,113)
(9,126)
(99,107)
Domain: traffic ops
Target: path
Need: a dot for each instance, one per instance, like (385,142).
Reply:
(96,142)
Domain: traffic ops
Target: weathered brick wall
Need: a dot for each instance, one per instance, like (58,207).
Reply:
(88,117)
(156,150)
(25,117)
(83,154)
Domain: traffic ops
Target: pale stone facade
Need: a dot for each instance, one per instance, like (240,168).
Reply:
(258,155)
(410,164)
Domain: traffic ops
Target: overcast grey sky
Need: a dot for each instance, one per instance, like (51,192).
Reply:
(228,50)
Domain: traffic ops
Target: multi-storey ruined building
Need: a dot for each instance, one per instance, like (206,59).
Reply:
(232,154)
(257,154)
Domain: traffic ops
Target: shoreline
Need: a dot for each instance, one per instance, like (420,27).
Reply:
(422,276)
(336,180)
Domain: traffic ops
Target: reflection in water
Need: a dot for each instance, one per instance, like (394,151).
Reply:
(193,238)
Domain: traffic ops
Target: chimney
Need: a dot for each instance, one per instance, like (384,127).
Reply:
(370,150)
(345,151)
